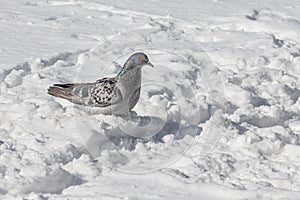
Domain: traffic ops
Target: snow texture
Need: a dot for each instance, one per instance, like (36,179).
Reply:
(218,116)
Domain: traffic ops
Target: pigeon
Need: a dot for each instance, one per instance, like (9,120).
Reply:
(111,95)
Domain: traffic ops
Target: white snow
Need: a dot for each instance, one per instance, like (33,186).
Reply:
(218,116)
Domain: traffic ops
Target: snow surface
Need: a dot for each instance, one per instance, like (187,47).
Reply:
(218,116)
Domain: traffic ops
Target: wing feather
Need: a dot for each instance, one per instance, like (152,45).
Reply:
(105,93)
(102,93)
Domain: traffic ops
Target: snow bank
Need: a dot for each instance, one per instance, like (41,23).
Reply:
(55,182)
(218,116)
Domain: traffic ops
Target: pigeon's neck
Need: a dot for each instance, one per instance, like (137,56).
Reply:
(129,78)
(130,81)
(129,75)
(128,66)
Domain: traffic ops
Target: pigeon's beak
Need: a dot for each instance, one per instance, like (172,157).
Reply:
(150,64)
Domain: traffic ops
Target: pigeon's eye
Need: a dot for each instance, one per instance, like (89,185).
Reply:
(142,59)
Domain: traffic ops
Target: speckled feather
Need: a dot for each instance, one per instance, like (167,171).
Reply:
(104,92)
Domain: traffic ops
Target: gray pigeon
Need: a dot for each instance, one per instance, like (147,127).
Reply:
(116,95)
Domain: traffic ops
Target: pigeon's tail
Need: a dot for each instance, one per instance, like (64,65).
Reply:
(65,91)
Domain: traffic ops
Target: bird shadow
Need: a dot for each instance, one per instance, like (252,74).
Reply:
(127,131)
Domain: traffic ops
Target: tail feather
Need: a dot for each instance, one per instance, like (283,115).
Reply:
(65,91)
(68,85)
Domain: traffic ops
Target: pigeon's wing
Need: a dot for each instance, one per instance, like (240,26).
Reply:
(65,91)
(102,93)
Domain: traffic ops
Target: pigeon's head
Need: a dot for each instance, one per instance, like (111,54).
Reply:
(135,61)
(138,60)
